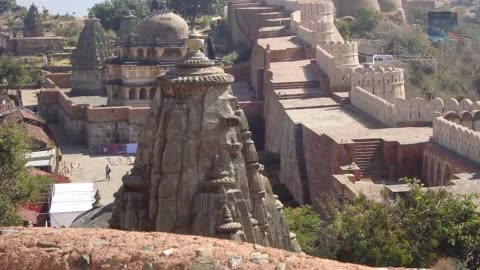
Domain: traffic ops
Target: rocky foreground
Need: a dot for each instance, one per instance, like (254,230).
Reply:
(52,249)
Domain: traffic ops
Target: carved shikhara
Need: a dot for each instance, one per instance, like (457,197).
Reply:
(196,170)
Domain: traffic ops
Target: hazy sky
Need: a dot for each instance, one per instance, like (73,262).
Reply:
(62,6)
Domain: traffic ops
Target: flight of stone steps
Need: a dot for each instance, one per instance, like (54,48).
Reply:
(369,158)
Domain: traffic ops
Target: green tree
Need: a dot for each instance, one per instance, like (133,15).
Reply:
(110,12)
(305,223)
(7,5)
(365,21)
(16,183)
(194,9)
(414,230)
(13,72)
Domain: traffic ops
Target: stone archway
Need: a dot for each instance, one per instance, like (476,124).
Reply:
(438,175)
(131,93)
(425,168)
(140,53)
(152,53)
(152,92)
(143,93)
(431,172)
(447,175)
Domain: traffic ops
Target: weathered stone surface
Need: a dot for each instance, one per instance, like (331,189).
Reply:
(75,250)
(196,169)
(87,60)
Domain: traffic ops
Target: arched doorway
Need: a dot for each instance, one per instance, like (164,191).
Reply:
(153,91)
(431,172)
(447,175)
(140,53)
(131,93)
(438,176)
(143,93)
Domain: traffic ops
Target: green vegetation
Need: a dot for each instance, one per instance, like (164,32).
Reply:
(110,12)
(13,72)
(194,9)
(70,33)
(414,230)
(305,223)
(16,183)
(365,21)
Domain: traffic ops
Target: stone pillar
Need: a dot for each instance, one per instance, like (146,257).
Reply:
(133,52)
(126,93)
(137,93)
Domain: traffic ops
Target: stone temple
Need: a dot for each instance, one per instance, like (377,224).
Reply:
(196,170)
(88,58)
(143,51)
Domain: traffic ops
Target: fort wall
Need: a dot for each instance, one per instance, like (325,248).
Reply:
(374,106)
(418,111)
(83,123)
(457,138)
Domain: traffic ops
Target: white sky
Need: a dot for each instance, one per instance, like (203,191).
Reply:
(62,6)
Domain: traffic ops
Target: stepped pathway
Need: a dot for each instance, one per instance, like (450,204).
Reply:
(368,156)
(294,79)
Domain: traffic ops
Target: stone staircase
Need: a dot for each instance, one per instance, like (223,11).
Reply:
(296,85)
(368,156)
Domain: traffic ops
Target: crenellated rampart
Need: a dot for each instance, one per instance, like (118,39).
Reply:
(417,111)
(457,138)
(374,106)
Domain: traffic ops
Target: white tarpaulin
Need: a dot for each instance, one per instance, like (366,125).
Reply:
(69,201)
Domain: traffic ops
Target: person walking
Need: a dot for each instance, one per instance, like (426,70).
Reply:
(107,172)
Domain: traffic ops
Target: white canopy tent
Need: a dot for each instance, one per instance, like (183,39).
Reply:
(69,201)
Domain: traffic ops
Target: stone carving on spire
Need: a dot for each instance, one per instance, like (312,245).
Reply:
(196,170)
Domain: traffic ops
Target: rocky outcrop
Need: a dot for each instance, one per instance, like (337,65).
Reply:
(62,249)
(196,170)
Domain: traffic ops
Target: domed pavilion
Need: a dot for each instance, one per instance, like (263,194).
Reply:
(144,51)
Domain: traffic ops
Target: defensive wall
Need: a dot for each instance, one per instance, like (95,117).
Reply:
(61,80)
(92,126)
(417,111)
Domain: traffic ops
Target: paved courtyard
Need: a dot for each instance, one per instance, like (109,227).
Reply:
(82,167)
(85,168)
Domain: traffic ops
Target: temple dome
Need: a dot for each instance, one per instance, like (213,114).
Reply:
(164,27)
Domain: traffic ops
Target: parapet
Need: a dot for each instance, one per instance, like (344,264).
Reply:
(457,138)
(317,11)
(387,83)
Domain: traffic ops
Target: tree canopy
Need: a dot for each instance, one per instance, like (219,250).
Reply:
(16,183)
(414,230)
(13,72)
(110,12)
(193,9)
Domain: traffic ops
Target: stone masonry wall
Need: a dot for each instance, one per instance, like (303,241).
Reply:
(280,137)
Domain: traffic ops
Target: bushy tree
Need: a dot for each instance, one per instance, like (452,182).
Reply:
(13,72)
(413,230)
(193,9)
(365,21)
(110,12)
(7,5)
(16,183)
(304,222)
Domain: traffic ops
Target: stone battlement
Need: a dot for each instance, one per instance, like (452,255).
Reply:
(459,139)
(418,111)
(373,105)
